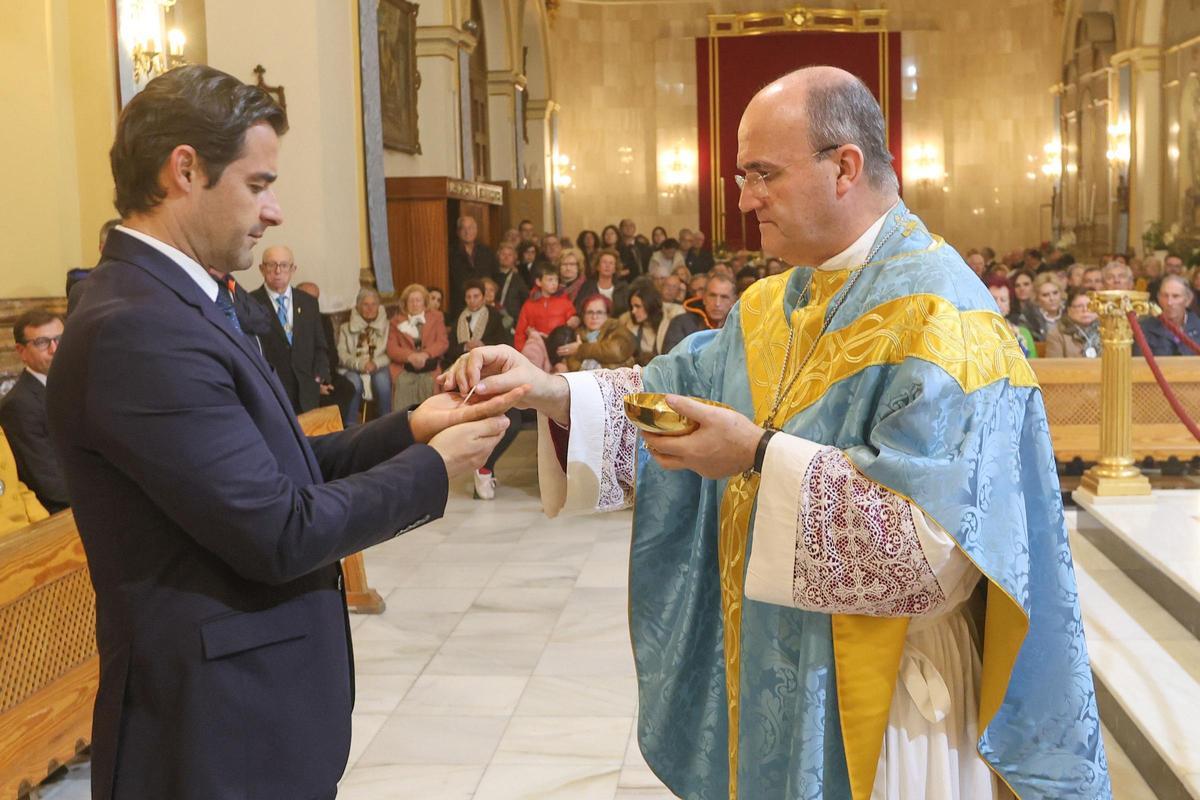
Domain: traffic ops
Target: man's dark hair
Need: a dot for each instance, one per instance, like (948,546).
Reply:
(543,268)
(194,105)
(670,244)
(474,283)
(33,318)
(1033,252)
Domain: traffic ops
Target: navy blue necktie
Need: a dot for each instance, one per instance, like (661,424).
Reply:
(225,303)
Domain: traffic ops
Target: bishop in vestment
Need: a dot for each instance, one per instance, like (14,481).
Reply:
(856,583)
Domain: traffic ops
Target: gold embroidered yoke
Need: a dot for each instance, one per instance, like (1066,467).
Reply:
(976,348)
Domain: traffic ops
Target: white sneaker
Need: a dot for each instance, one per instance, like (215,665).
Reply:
(485,485)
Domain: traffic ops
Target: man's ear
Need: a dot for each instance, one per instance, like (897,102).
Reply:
(182,173)
(850,162)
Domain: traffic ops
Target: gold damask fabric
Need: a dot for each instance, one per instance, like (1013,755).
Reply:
(976,348)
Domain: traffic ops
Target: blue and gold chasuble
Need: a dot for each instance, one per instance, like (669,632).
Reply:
(919,381)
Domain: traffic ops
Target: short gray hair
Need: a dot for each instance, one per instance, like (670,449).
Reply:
(1113,267)
(1182,281)
(845,112)
(364,293)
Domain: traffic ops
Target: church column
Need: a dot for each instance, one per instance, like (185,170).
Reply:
(1147,143)
(540,124)
(439,102)
(505,89)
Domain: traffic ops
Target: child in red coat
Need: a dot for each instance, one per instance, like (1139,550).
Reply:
(542,314)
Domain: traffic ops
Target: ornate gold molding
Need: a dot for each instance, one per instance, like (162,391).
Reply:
(443,41)
(798,18)
(1184,45)
(1144,58)
(540,109)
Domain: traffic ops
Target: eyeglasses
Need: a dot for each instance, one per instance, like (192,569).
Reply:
(756,182)
(42,342)
(278,266)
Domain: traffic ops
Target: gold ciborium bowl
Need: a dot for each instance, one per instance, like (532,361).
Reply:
(650,412)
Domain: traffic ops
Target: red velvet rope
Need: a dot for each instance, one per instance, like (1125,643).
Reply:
(1180,335)
(1167,391)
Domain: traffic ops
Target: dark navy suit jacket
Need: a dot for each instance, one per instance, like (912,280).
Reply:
(213,529)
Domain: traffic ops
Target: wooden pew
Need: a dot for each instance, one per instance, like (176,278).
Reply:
(1071,389)
(359,596)
(49,667)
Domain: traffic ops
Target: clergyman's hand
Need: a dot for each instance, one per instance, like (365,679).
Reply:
(444,410)
(499,369)
(723,445)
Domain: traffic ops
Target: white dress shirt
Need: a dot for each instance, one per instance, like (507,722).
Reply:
(185,262)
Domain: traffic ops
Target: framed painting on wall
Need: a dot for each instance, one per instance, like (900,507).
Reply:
(399,80)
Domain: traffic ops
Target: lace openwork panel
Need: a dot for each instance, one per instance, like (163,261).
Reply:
(620,437)
(857,549)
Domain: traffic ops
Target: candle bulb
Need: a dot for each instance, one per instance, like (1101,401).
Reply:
(176,41)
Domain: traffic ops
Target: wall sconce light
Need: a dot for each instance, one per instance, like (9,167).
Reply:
(1052,167)
(908,83)
(143,31)
(562,171)
(1118,152)
(924,165)
(677,169)
(625,160)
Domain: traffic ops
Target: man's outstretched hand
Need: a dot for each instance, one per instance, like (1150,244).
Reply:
(444,410)
(497,370)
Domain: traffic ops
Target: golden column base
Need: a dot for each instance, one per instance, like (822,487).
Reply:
(1115,475)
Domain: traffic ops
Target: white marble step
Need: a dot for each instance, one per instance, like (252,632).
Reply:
(1147,670)
(1156,541)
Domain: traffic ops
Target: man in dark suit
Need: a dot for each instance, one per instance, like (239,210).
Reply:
(342,391)
(469,260)
(698,259)
(635,255)
(23,411)
(213,527)
(295,345)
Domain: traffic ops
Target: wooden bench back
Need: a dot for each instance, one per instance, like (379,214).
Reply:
(1071,388)
(49,667)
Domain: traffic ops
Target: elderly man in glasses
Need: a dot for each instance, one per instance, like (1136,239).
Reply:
(803,561)
(295,344)
(23,410)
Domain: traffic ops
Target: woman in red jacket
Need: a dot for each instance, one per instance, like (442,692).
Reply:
(417,341)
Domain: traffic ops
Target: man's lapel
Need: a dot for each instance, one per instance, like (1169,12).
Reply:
(121,247)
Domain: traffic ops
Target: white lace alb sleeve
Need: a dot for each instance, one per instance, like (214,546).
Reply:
(828,538)
(601,451)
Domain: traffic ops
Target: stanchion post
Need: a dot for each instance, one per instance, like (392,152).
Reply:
(1115,475)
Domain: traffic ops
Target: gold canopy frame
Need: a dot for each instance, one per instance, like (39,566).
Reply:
(794,20)
(798,18)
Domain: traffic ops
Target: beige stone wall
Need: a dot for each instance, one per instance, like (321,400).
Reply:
(320,160)
(59,102)
(626,87)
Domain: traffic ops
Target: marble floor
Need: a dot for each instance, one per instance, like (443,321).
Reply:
(501,668)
